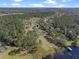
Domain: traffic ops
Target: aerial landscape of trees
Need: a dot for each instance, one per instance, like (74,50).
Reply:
(60,29)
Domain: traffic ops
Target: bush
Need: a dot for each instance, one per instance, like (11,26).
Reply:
(77,43)
(14,52)
(32,50)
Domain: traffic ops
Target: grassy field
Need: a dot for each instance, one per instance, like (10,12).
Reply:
(77,43)
(44,48)
(4,55)
(69,43)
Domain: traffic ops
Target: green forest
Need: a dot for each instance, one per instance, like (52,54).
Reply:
(38,34)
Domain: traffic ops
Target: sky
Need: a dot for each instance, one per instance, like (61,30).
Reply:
(40,3)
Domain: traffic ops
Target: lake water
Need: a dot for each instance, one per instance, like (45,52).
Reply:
(74,54)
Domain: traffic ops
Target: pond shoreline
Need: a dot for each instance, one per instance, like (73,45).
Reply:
(69,55)
(66,54)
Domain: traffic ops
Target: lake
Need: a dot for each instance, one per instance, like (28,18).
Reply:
(74,54)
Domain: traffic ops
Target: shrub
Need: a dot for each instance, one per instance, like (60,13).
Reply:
(14,52)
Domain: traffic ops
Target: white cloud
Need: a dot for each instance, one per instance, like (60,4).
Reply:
(46,3)
(17,0)
(36,5)
(55,3)
(65,0)
(4,4)
(50,1)
(56,6)
(15,4)
(60,5)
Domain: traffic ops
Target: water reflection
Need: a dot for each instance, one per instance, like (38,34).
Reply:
(74,54)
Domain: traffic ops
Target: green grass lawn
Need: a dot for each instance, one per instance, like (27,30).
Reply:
(4,55)
(77,43)
(69,43)
(44,48)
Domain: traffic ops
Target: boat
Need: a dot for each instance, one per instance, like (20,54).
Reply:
(69,49)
